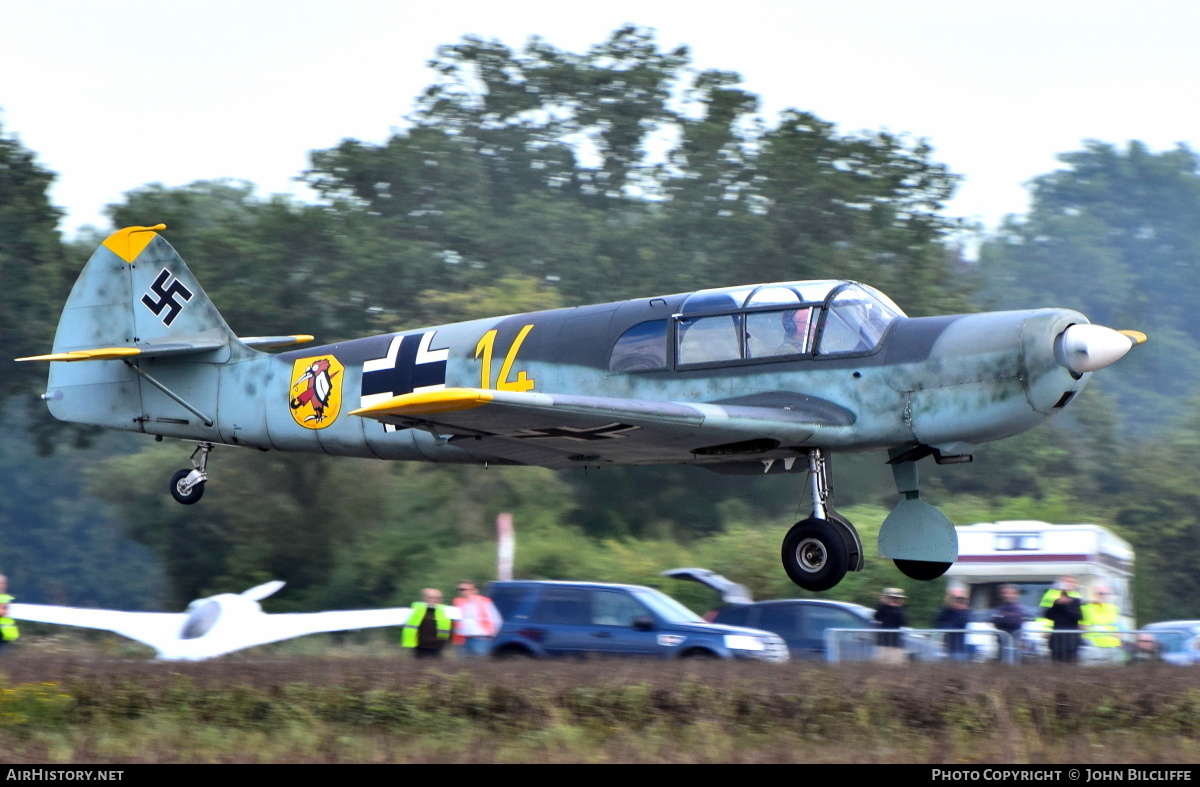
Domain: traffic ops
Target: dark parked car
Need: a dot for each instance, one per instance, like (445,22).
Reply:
(802,623)
(544,619)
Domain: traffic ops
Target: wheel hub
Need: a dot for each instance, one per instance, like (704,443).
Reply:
(811,555)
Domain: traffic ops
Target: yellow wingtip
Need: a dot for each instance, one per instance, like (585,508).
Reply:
(426,402)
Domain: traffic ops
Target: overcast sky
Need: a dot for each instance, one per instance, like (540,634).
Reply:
(115,94)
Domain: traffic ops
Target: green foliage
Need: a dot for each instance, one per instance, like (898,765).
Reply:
(384,710)
(28,708)
(32,260)
(1116,235)
(537,178)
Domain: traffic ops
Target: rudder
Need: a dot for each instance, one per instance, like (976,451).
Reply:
(136,301)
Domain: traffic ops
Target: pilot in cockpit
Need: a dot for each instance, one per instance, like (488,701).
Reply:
(795,329)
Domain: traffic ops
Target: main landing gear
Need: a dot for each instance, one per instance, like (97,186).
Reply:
(187,486)
(818,551)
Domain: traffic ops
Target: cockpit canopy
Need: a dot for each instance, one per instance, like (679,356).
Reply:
(785,319)
(820,318)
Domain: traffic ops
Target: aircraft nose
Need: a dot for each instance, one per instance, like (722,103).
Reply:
(1087,348)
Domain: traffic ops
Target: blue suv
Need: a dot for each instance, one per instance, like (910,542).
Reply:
(543,619)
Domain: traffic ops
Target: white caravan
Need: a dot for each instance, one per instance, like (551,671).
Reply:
(1033,555)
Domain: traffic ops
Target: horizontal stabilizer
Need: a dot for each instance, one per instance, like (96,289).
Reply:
(102,354)
(147,350)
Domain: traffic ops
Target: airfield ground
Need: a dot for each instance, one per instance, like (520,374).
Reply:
(274,707)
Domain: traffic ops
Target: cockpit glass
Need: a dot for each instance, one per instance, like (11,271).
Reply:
(201,618)
(856,319)
(773,294)
(781,319)
(782,293)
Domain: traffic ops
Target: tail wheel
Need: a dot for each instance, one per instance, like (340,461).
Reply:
(182,492)
(923,570)
(814,554)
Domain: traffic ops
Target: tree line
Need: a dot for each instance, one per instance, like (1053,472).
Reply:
(541,178)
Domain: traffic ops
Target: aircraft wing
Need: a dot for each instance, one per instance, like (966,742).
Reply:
(150,628)
(556,430)
(275,627)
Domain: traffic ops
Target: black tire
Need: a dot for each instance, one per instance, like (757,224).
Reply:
(814,554)
(700,654)
(193,495)
(513,653)
(852,546)
(923,570)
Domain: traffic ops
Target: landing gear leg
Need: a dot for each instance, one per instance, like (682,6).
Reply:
(818,551)
(187,486)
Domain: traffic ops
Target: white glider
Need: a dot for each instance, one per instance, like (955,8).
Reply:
(212,626)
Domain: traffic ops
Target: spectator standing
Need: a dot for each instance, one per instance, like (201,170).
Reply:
(428,628)
(956,614)
(8,626)
(1011,614)
(1067,584)
(892,616)
(478,622)
(1102,620)
(1064,613)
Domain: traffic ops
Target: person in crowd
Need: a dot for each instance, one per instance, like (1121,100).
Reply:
(478,621)
(1101,619)
(1065,612)
(891,616)
(1010,615)
(1145,650)
(8,627)
(956,614)
(428,628)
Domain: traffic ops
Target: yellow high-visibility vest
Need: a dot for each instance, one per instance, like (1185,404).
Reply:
(408,638)
(1098,618)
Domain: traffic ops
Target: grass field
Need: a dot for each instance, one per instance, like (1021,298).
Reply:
(367,706)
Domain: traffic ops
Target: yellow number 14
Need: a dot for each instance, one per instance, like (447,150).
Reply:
(485,346)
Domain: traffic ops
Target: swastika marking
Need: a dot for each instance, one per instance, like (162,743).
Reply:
(167,293)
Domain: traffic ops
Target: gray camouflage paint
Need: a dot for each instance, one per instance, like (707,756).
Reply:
(949,383)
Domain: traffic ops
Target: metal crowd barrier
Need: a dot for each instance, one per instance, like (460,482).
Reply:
(861,644)
(1172,646)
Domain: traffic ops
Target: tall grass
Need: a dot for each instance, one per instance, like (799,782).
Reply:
(64,708)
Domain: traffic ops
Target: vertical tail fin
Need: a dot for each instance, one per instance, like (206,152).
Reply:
(135,308)
(136,291)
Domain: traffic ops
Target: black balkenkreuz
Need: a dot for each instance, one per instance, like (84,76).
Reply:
(409,366)
(166,297)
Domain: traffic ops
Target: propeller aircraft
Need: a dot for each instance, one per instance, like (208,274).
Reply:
(769,378)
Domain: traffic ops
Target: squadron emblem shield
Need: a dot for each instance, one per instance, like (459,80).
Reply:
(316,395)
